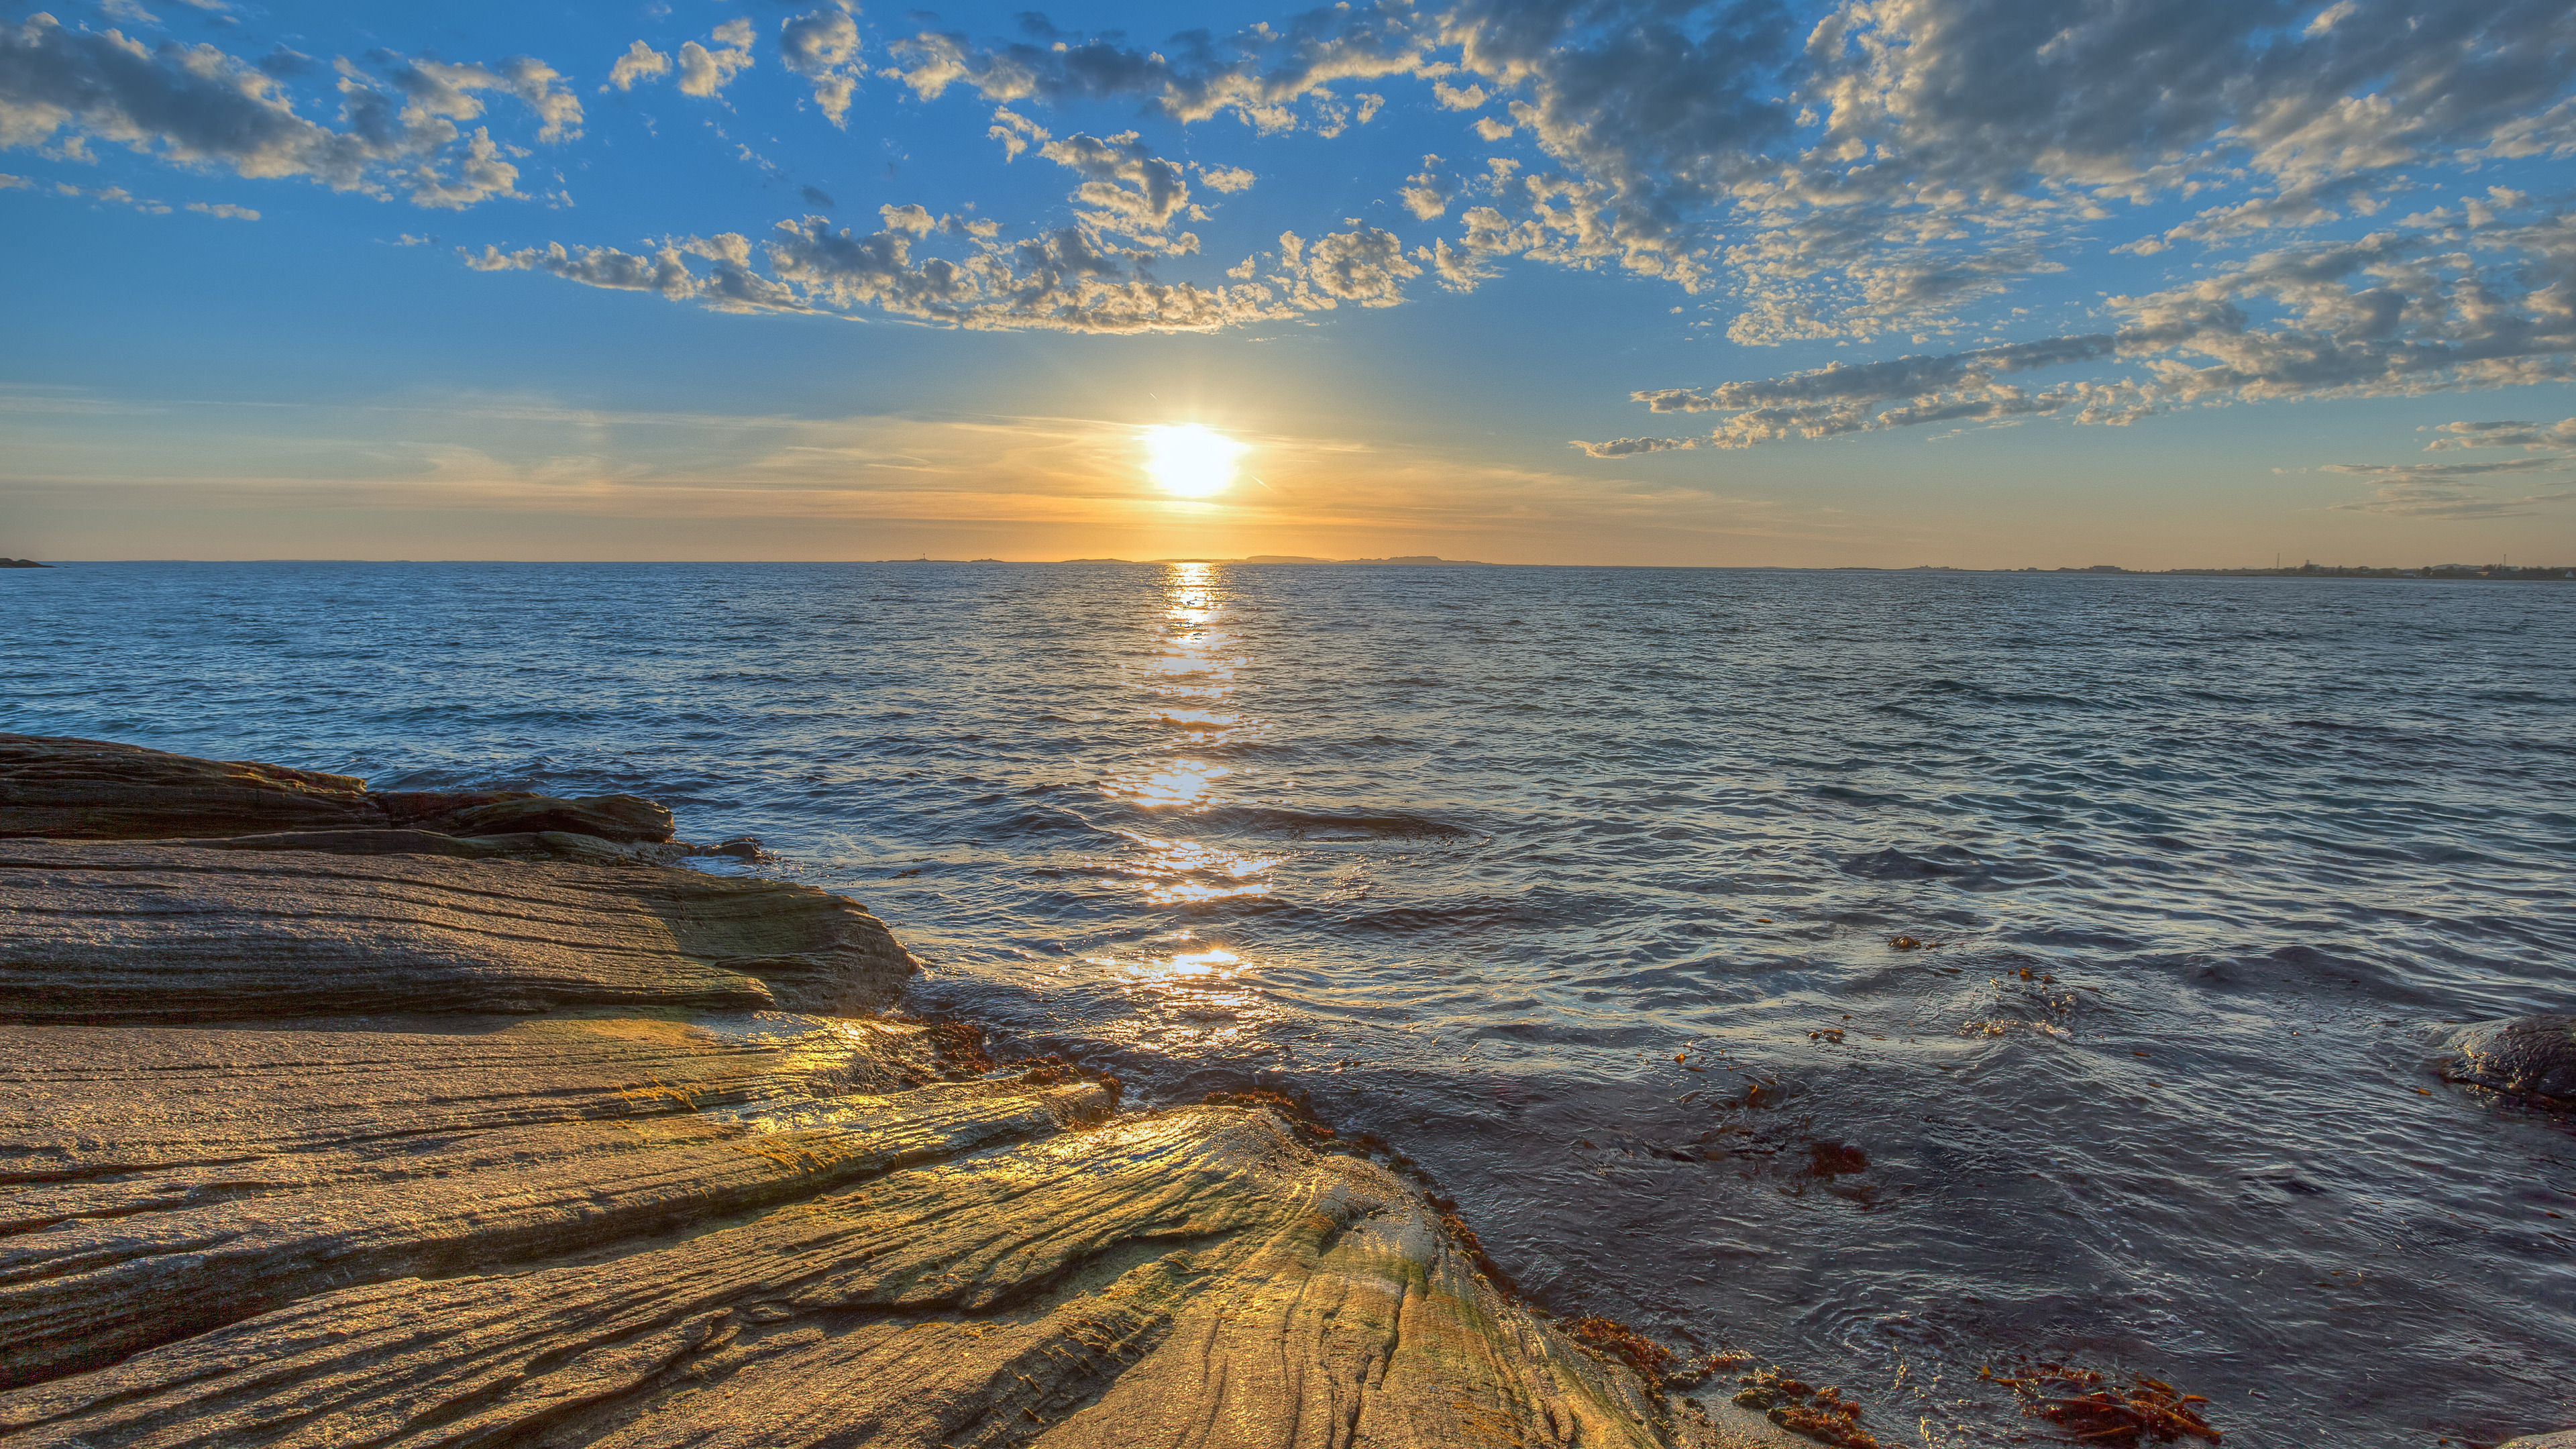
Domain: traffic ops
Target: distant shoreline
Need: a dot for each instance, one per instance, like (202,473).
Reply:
(2438,573)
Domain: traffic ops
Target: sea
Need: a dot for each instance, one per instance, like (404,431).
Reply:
(1894,976)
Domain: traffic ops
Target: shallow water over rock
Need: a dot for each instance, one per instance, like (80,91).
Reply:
(1579,887)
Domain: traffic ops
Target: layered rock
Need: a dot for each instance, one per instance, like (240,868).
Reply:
(135,933)
(70,789)
(279,1170)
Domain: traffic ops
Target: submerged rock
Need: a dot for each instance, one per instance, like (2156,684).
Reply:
(2528,1057)
(276,1173)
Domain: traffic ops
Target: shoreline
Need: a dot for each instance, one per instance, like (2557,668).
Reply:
(343,1124)
(2439,573)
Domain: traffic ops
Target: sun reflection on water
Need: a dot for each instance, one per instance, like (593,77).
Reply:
(1189,1000)
(1204,995)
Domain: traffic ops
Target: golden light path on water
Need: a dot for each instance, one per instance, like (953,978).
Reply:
(1184,993)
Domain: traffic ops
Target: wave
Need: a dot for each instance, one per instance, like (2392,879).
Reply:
(1334,825)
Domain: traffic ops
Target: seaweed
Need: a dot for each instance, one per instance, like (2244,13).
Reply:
(1298,1113)
(959,1046)
(1826,1415)
(2097,1412)
(1612,1339)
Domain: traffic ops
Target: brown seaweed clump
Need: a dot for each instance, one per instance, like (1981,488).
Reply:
(1299,1115)
(1826,1415)
(1613,1339)
(959,1046)
(2085,1403)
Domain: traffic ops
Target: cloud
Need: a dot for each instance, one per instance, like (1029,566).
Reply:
(705,72)
(1063,280)
(1428,194)
(640,62)
(1258,75)
(2433,490)
(1130,190)
(2560,434)
(199,106)
(821,45)
(1227,179)
(2449,490)
(1366,267)
(1460,269)
(432,88)
(224,209)
(1631,447)
(2390,314)
(666,272)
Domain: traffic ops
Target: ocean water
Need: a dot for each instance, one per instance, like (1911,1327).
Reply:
(1579,885)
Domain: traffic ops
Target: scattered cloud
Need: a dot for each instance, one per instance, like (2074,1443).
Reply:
(1631,447)
(1429,193)
(640,62)
(1853,172)
(1227,179)
(2394,313)
(704,72)
(1130,190)
(197,106)
(2560,434)
(823,47)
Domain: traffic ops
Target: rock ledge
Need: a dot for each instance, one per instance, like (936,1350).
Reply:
(348,1118)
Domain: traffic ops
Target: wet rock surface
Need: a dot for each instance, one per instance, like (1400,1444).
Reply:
(2529,1058)
(336,1133)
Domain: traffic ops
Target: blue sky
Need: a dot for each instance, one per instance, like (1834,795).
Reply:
(1981,282)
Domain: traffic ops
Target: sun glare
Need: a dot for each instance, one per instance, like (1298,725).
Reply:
(1190,460)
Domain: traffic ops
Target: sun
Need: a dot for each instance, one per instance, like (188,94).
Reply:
(1190,460)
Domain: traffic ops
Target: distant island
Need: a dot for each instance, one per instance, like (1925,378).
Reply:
(22,563)
(2514,573)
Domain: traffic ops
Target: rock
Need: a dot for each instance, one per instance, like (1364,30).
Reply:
(142,933)
(2563,1439)
(73,789)
(275,1173)
(610,817)
(1162,1280)
(2529,1057)
(91,790)
(741,847)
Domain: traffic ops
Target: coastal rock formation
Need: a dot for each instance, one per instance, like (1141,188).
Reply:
(137,933)
(70,789)
(388,1143)
(2532,1058)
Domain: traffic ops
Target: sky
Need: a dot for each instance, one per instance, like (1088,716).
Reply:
(1982,283)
